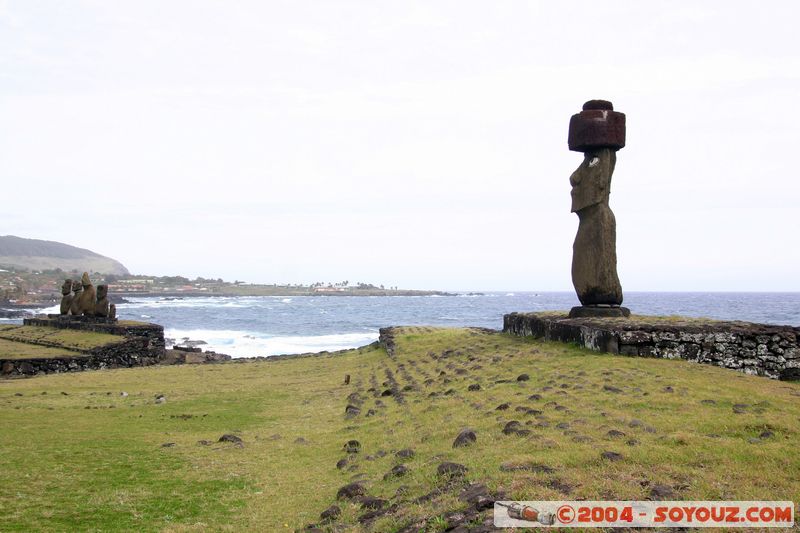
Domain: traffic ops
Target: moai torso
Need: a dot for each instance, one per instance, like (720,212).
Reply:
(88,298)
(66,297)
(101,308)
(77,292)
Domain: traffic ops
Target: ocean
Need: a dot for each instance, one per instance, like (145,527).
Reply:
(266,326)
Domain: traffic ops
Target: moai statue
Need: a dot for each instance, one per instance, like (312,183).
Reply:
(598,131)
(77,290)
(102,307)
(66,296)
(88,299)
(112,311)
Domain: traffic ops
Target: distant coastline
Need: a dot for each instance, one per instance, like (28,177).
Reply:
(280,291)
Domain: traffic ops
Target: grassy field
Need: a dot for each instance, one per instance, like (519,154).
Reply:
(98,451)
(20,350)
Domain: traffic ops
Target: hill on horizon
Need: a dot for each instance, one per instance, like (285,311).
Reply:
(35,254)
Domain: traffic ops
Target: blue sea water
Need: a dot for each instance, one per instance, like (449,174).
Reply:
(264,326)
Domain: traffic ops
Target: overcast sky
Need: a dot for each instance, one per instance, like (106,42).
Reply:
(418,144)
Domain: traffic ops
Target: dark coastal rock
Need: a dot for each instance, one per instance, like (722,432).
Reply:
(331,513)
(405,453)
(474,387)
(611,456)
(512,428)
(397,471)
(523,377)
(373,503)
(560,486)
(662,492)
(448,469)
(477,496)
(352,411)
(352,446)
(467,437)
(351,491)
(228,437)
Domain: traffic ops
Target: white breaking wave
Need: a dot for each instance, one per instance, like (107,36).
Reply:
(238,343)
(54,310)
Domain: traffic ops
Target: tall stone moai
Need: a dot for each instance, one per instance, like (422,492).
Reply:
(598,131)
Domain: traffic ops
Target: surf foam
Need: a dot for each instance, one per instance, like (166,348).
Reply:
(238,343)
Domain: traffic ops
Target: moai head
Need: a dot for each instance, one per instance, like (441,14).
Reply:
(66,288)
(102,291)
(85,281)
(598,131)
(76,286)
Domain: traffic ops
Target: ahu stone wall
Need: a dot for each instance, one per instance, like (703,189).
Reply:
(758,349)
(143,345)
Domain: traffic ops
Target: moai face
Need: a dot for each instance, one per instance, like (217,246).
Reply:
(85,281)
(102,291)
(66,288)
(591,182)
(76,286)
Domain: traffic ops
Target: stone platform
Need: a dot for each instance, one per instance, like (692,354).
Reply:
(143,345)
(759,349)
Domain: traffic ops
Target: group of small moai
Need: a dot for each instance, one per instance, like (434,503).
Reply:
(80,298)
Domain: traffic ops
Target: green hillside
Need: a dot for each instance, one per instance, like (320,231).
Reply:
(34,254)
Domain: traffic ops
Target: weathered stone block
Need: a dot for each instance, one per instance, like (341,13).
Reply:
(628,349)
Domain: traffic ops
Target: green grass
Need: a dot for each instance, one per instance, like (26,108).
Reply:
(21,350)
(69,339)
(93,459)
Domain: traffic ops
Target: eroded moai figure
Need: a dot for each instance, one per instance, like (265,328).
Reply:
(598,131)
(87,299)
(77,290)
(66,296)
(102,307)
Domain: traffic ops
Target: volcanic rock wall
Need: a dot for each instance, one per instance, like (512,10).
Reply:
(758,349)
